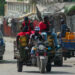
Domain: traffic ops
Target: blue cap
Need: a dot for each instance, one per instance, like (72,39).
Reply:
(37,29)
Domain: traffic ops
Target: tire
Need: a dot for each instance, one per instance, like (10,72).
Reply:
(42,66)
(19,66)
(48,67)
(58,62)
(33,61)
(1,58)
(14,57)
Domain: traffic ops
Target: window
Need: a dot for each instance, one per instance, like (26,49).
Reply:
(24,8)
(31,8)
(21,8)
(10,7)
(17,7)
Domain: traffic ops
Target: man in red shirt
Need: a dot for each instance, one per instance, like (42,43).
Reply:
(26,24)
(35,23)
(45,26)
(22,33)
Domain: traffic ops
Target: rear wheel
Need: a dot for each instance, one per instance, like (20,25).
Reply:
(42,66)
(58,62)
(1,58)
(19,65)
(48,67)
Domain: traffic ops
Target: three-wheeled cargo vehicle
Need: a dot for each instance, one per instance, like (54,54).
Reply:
(68,42)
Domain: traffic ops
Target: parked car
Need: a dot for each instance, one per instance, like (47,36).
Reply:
(2,46)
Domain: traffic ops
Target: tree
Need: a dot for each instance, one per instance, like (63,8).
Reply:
(2,3)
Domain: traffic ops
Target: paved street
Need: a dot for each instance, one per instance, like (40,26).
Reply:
(8,65)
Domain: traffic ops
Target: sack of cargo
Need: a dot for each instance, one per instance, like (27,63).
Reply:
(23,41)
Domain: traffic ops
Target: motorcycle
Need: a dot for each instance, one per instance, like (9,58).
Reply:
(55,54)
(41,54)
(40,57)
(22,53)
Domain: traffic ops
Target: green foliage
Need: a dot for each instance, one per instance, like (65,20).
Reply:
(2,2)
(1,10)
(70,10)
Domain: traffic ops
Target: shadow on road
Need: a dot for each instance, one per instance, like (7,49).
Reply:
(32,71)
(52,72)
(63,66)
(59,72)
(8,62)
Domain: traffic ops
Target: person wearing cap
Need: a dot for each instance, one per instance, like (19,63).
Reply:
(36,36)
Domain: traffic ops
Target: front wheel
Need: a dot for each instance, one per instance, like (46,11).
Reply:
(58,62)
(48,67)
(1,58)
(19,65)
(42,66)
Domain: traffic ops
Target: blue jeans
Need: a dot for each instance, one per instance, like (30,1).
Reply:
(32,51)
(55,38)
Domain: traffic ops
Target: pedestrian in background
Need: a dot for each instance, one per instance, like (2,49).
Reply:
(14,26)
(64,28)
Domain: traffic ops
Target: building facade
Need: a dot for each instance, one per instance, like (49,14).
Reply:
(18,7)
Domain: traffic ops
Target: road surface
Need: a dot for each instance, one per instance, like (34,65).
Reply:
(8,65)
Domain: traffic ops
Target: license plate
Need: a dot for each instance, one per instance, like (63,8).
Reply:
(42,57)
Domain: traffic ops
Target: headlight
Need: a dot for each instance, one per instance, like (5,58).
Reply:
(41,47)
(26,48)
